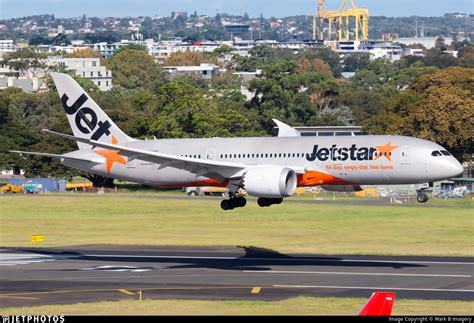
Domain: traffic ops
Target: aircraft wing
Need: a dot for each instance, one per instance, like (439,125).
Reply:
(218,170)
(59,157)
(379,304)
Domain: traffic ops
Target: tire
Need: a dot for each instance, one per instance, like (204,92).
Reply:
(240,202)
(422,198)
(193,193)
(277,201)
(227,205)
(262,202)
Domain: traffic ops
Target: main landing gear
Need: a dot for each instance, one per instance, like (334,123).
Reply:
(234,202)
(264,202)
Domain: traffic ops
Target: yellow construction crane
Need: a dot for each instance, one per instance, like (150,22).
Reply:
(341,22)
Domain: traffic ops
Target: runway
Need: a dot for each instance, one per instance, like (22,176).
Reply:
(68,275)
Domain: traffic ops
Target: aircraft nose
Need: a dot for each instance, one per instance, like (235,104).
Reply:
(457,168)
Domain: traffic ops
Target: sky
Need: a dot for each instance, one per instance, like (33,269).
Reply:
(269,8)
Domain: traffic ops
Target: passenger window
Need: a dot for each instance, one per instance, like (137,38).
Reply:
(436,153)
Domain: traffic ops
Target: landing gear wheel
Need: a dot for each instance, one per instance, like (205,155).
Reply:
(277,201)
(262,202)
(227,205)
(422,198)
(240,202)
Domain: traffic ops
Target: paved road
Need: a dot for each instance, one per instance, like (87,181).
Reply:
(98,273)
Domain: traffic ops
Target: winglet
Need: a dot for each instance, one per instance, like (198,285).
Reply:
(379,304)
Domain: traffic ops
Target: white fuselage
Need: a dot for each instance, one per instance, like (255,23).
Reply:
(336,160)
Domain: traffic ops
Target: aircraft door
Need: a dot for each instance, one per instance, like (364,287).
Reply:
(211,154)
(405,156)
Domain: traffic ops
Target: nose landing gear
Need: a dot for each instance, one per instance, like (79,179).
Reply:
(422,197)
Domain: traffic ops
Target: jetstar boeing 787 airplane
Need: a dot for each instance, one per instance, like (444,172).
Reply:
(268,168)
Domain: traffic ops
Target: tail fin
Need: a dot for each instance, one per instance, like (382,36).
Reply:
(379,304)
(86,118)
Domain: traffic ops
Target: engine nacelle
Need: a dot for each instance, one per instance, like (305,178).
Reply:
(343,188)
(270,181)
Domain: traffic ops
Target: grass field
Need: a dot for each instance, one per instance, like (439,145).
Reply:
(291,227)
(294,306)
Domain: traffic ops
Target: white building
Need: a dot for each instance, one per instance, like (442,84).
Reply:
(33,85)
(7,46)
(376,49)
(427,42)
(204,70)
(88,68)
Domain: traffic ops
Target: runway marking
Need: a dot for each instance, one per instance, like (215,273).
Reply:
(232,287)
(121,268)
(126,292)
(379,288)
(286,259)
(256,290)
(351,273)
(128,288)
(13,259)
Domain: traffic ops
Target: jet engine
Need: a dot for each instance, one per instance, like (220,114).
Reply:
(343,188)
(270,182)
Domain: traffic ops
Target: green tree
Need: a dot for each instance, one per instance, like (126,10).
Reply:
(438,107)
(355,62)
(134,69)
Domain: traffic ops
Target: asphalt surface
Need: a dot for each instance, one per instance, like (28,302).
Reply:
(68,275)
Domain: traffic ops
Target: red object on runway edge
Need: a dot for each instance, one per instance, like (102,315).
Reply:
(379,304)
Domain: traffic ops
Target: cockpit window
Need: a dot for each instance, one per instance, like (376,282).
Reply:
(446,153)
(436,153)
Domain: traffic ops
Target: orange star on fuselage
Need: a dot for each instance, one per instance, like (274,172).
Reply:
(111,156)
(385,151)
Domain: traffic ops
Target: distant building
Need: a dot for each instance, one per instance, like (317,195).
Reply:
(176,14)
(88,68)
(376,49)
(237,30)
(420,52)
(205,70)
(323,131)
(427,42)
(7,46)
(33,85)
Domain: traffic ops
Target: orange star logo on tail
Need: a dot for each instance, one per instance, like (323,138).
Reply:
(111,156)
(385,151)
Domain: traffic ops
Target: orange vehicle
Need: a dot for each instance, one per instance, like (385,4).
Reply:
(9,188)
